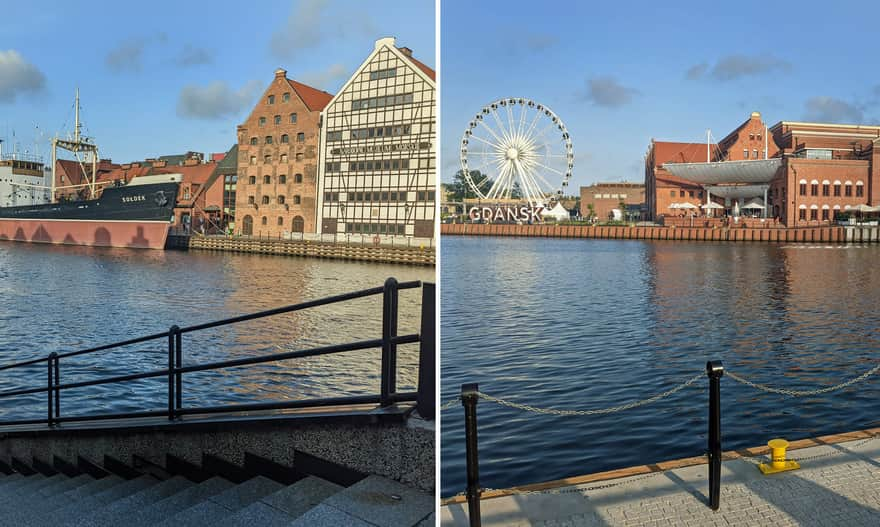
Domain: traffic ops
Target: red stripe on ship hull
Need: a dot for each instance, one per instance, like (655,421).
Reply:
(130,234)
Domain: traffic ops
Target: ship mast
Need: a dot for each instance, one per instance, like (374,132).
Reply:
(79,145)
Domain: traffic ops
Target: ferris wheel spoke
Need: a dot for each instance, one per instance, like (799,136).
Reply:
(490,143)
(513,133)
(500,127)
(492,133)
(522,120)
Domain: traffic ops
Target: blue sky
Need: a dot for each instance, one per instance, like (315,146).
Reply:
(164,77)
(619,73)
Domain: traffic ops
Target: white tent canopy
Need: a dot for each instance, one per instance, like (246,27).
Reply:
(558,213)
(687,206)
(712,205)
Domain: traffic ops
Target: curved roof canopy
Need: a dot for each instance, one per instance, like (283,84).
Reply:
(737,191)
(757,171)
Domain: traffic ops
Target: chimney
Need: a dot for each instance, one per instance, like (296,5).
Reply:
(281,73)
(406,51)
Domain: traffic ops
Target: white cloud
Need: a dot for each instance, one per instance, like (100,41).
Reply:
(329,79)
(216,100)
(18,77)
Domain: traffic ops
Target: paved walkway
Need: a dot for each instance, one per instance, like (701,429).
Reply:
(838,485)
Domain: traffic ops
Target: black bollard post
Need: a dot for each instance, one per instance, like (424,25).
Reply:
(469,401)
(714,369)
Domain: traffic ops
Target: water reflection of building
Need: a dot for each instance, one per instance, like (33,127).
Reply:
(377,173)
(801,173)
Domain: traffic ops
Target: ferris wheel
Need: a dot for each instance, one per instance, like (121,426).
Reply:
(517,148)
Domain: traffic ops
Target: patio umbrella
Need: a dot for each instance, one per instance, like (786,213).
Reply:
(687,206)
(675,206)
(753,206)
(712,205)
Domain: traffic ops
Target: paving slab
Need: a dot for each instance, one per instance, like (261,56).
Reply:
(220,506)
(284,506)
(383,502)
(838,484)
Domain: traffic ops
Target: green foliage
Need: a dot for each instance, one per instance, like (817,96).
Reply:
(459,189)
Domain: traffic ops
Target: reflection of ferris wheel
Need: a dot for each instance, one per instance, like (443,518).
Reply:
(517,148)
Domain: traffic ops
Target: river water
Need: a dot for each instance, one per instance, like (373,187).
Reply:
(589,324)
(67,298)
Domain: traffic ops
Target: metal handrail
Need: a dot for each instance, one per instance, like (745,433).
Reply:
(388,344)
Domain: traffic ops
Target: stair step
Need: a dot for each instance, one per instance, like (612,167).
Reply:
(91,503)
(222,505)
(24,485)
(327,516)
(44,501)
(25,517)
(117,512)
(284,506)
(382,501)
(179,502)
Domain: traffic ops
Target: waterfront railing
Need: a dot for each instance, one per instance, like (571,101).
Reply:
(174,373)
(470,394)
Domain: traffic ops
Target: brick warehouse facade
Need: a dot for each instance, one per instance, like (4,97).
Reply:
(278,147)
(377,173)
(604,197)
(820,169)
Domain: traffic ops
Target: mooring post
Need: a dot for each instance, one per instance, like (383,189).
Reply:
(469,401)
(426,402)
(714,369)
(389,347)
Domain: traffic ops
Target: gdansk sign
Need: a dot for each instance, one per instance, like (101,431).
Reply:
(524,214)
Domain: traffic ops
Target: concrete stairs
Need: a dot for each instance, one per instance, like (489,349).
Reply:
(88,494)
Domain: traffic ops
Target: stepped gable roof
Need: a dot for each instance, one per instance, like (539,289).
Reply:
(314,99)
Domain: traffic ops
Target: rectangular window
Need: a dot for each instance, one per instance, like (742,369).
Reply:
(383,74)
(671,193)
(848,191)
(814,214)
(824,214)
(745,153)
(293,118)
(680,193)
(803,189)
(334,136)
(837,191)
(818,153)
(814,189)
(802,214)
(262,121)
(860,191)
(755,153)
(277,119)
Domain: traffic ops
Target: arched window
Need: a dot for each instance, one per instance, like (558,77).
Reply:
(265,221)
(250,200)
(267,180)
(277,119)
(300,137)
(802,213)
(825,212)
(247,226)
(847,189)
(267,159)
(285,138)
(814,212)
(298,178)
(265,202)
(293,118)
(284,158)
(860,189)
(252,180)
(297,200)
(826,188)
(814,187)
(285,96)
(253,140)
(282,179)
(268,139)
(281,200)
(836,188)
(298,224)
(803,185)
(299,156)
(280,221)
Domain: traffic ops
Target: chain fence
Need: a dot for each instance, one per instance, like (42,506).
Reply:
(803,393)
(598,411)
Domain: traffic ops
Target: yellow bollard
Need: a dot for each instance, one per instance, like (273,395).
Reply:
(778,463)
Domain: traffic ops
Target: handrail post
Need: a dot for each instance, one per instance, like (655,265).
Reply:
(389,348)
(425,402)
(57,381)
(172,338)
(469,401)
(178,361)
(714,369)
(50,388)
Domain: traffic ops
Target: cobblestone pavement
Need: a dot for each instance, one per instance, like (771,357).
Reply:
(839,487)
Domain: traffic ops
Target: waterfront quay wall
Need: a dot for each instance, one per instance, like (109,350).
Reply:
(401,254)
(402,449)
(828,234)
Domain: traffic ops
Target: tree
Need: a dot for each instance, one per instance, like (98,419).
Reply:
(592,209)
(460,189)
(516,191)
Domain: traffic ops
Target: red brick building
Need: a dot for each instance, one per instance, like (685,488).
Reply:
(278,160)
(811,172)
